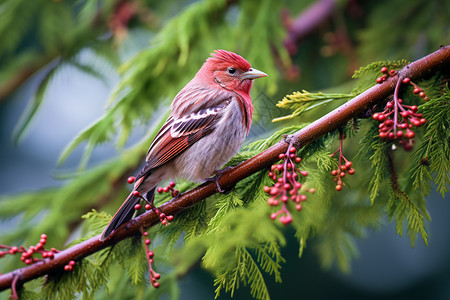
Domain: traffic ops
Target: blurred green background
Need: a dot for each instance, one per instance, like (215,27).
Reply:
(62,61)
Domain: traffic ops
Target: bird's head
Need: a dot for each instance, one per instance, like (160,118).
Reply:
(232,71)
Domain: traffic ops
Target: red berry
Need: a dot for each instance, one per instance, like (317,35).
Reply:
(351,171)
(383,135)
(172,184)
(147,206)
(422,94)
(72,263)
(399,134)
(423,121)
(147,241)
(416,91)
(304,173)
(43,236)
(292,149)
(334,172)
(137,206)
(273,216)
(392,72)
(348,164)
(155,284)
(159,190)
(157,276)
(150,254)
(131,179)
(342,174)
(166,189)
(414,108)
(281,156)
(384,70)
(391,135)
(136,194)
(312,191)
(169,218)
(375,116)
(164,222)
(338,187)
(382,117)
(410,134)
(406,80)
(379,79)
(405,114)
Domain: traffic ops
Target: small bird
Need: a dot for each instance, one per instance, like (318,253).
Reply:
(209,120)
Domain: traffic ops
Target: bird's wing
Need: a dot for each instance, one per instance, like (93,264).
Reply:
(177,135)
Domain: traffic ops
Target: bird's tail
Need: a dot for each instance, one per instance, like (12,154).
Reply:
(124,213)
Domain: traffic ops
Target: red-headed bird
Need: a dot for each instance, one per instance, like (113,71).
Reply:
(210,118)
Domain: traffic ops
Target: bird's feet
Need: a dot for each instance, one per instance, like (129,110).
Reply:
(216,178)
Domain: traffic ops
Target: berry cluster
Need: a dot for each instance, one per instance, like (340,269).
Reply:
(27,254)
(398,119)
(343,168)
(169,188)
(149,205)
(287,185)
(154,277)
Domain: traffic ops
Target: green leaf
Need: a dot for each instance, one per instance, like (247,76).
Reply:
(303,101)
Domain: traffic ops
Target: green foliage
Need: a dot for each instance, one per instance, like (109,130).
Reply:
(304,101)
(402,207)
(397,29)
(432,155)
(48,34)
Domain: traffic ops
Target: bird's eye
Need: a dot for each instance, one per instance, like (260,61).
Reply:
(231,70)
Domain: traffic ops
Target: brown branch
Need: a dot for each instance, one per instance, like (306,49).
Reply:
(306,22)
(439,60)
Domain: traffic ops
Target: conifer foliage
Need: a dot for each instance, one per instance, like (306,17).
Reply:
(391,151)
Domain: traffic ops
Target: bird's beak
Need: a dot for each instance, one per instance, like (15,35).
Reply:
(253,74)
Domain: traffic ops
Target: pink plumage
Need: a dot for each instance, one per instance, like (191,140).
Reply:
(210,118)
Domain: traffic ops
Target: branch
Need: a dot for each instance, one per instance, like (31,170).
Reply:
(306,22)
(439,60)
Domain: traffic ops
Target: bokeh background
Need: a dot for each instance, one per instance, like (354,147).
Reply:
(318,45)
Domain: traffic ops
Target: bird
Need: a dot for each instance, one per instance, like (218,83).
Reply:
(209,121)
